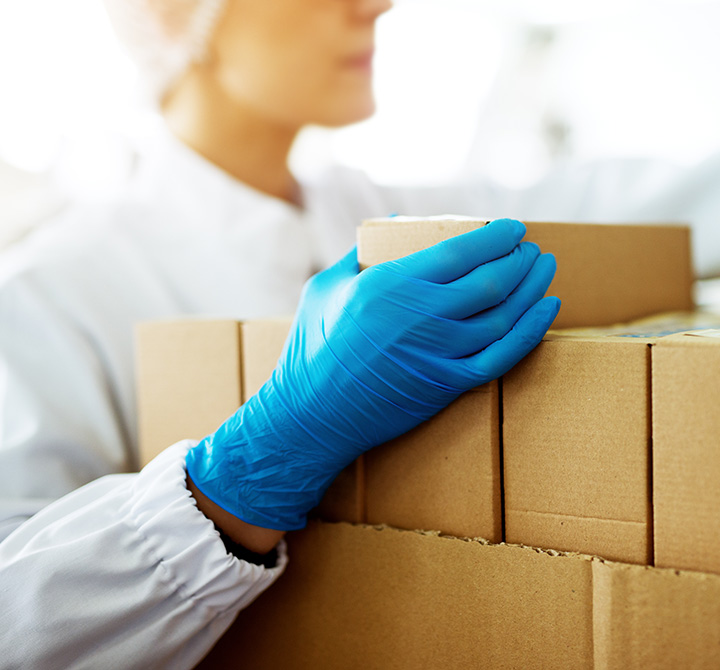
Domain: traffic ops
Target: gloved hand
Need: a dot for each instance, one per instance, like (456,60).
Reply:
(370,356)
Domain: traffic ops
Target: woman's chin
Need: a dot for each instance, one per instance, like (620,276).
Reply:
(346,115)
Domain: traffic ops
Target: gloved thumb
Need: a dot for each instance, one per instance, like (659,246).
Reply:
(345,268)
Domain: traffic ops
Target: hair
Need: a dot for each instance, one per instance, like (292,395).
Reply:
(164,37)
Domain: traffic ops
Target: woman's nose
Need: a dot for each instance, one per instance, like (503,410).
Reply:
(371,9)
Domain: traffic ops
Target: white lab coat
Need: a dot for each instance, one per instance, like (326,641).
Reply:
(122,570)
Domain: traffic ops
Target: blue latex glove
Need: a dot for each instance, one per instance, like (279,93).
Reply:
(370,356)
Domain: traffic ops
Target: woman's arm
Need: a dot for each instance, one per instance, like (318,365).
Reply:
(255,538)
(125,572)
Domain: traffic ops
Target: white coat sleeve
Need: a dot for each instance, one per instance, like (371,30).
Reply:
(125,572)
(97,570)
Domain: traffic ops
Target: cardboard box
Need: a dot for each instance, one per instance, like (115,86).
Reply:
(606,273)
(367,597)
(262,343)
(686,451)
(194,373)
(576,447)
(364,596)
(577,439)
(188,380)
(445,474)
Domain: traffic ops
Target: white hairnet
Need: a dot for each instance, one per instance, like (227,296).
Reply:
(164,36)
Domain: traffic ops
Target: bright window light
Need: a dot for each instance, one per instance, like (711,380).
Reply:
(503,88)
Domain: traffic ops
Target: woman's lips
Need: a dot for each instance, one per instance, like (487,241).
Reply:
(361,61)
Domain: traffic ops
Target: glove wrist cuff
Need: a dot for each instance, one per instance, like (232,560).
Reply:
(249,466)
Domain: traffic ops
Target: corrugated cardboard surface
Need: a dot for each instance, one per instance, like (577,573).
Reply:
(358,597)
(606,273)
(610,538)
(610,273)
(194,373)
(576,439)
(188,380)
(345,498)
(262,344)
(363,597)
(653,618)
(686,469)
(576,448)
(381,240)
(443,475)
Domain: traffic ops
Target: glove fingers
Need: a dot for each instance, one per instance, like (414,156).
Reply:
(455,257)
(488,285)
(499,357)
(477,332)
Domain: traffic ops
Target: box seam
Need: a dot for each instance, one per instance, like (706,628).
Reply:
(651,459)
(501,458)
(240,359)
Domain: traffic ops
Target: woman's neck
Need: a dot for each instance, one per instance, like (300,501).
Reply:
(247,145)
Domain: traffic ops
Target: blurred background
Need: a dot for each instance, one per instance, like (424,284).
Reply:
(506,89)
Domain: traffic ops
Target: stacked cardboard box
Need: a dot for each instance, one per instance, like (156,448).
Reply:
(192,374)
(582,412)
(686,453)
(576,448)
(444,475)
(567,441)
(368,597)
(581,421)
(606,273)
(576,413)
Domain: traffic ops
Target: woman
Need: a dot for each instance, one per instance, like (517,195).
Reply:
(129,570)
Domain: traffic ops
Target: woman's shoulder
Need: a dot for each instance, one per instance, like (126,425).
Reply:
(74,243)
